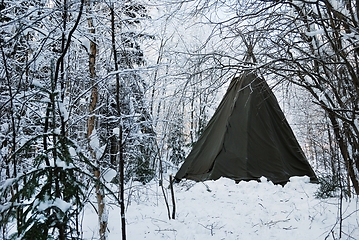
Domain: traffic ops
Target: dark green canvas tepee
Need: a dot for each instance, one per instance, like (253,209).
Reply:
(248,137)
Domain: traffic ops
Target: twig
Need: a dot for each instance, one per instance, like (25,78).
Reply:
(166,230)
(210,227)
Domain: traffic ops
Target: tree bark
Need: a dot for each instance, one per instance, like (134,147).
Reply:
(91,125)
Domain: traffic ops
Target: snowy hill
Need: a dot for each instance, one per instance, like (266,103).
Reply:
(224,210)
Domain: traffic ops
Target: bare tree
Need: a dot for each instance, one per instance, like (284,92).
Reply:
(316,50)
(309,44)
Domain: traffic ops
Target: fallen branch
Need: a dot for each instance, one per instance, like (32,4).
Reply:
(166,230)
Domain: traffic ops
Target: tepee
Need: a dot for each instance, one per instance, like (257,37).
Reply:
(248,137)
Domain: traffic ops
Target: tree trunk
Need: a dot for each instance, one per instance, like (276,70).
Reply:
(121,163)
(91,125)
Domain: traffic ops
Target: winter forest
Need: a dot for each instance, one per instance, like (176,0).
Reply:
(101,101)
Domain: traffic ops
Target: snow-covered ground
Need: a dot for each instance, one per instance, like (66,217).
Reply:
(224,210)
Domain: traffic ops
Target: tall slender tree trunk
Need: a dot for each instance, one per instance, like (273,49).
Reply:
(120,137)
(91,122)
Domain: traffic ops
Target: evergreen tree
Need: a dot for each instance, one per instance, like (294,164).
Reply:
(176,142)
(50,195)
